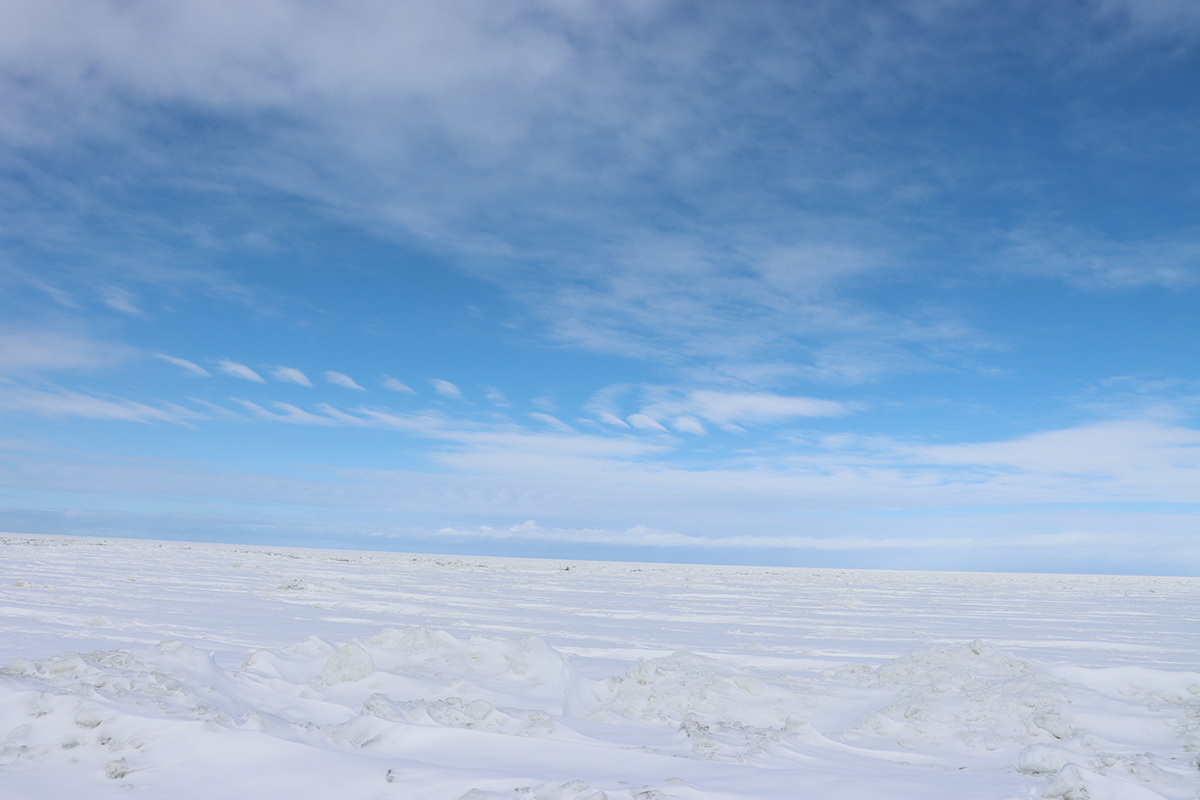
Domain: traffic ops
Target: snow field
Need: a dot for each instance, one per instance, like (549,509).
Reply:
(427,677)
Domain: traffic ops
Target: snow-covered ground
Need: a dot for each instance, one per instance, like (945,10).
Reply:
(159,669)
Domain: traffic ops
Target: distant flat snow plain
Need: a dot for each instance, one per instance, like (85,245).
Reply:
(177,670)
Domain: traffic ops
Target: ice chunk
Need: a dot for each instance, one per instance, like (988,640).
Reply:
(21,666)
(1075,783)
(478,709)
(351,663)
(1043,759)
(1054,723)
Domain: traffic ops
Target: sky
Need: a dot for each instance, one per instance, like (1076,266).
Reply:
(907,284)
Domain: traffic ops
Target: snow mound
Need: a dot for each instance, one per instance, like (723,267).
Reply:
(1075,783)
(454,712)
(396,691)
(973,693)
(351,663)
(1043,759)
(665,691)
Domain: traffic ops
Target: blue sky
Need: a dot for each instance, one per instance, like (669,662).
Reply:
(905,284)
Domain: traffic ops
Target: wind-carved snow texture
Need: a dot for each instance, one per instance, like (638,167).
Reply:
(492,709)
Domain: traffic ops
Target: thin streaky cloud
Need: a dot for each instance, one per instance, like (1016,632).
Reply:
(119,299)
(553,422)
(394,385)
(191,367)
(446,388)
(732,408)
(63,403)
(340,379)
(35,351)
(60,296)
(291,414)
(645,423)
(688,425)
(290,375)
(240,371)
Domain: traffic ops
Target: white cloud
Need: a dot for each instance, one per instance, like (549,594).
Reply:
(1095,261)
(574,84)
(645,423)
(63,403)
(496,397)
(59,296)
(396,386)
(1174,18)
(345,381)
(290,375)
(553,422)
(239,371)
(491,436)
(726,407)
(688,425)
(35,350)
(119,299)
(446,388)
(193,368)
(605,404)
(1147,457)
(733,409)
(291,414)
(1079,492)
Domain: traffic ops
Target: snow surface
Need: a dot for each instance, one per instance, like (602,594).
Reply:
(160,669)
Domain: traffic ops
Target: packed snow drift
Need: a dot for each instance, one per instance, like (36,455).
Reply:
(192,671)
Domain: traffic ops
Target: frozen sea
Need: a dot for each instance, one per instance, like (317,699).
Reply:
(178,670)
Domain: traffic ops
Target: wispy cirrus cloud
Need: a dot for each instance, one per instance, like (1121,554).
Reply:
(64,403)
(30,351)
(290,375)
(1130,460)
(1097,261)
(586,160)
(190,366)
(394,385)
(1151,456)
(287,413)
(866,496)
(644,422)
(551,421)
(120,299)
(1146,456)
(340,379)
(446,388)
(733,409)
(687,410)
(239,371)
